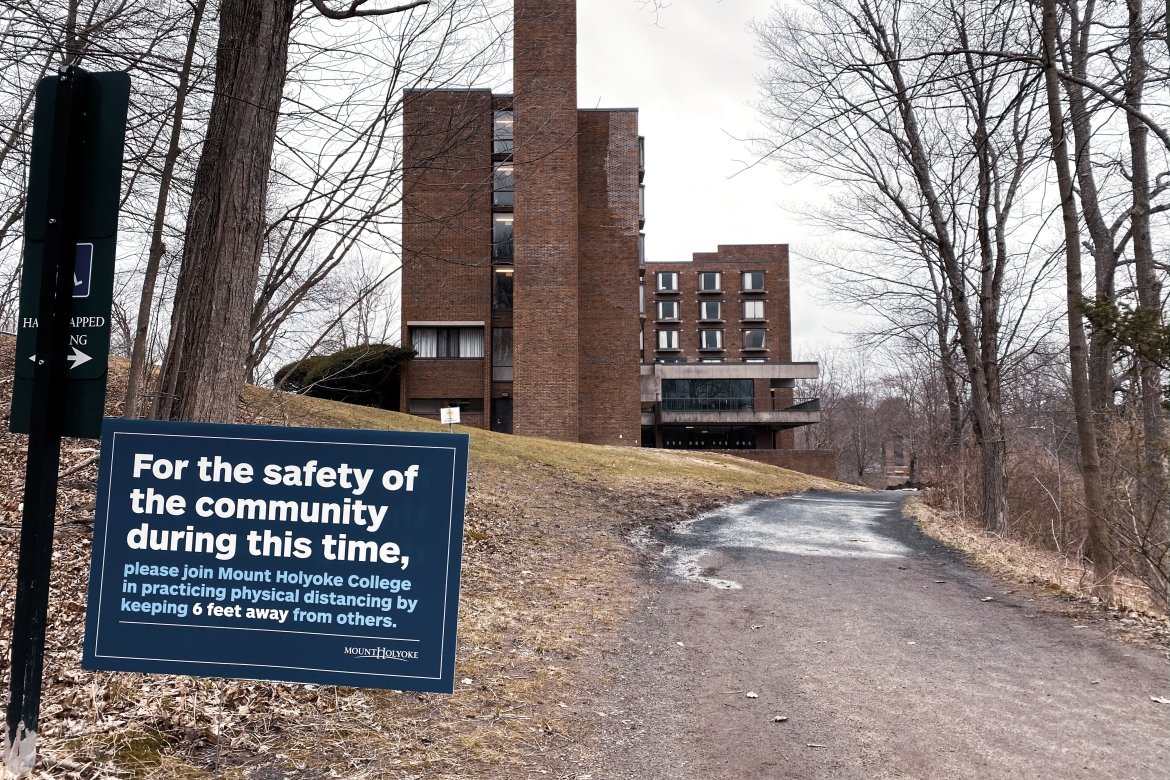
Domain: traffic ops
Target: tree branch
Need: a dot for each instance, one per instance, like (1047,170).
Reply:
(355,9)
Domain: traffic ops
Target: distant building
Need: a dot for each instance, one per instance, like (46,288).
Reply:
(524,284)
(717,370)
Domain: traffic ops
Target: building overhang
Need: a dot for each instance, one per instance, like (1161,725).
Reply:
(731,370)
(786,418)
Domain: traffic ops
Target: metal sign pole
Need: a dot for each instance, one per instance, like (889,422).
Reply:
(44,445)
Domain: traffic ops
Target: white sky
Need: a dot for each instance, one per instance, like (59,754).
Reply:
(691,71)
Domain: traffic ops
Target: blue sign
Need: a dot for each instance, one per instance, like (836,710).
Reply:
(295,554)
(82,270)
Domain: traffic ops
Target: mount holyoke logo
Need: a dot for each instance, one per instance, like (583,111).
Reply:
(382,653)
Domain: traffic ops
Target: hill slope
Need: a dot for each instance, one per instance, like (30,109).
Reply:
(547,573)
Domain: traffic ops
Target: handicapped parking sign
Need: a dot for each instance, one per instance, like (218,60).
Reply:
(82,270)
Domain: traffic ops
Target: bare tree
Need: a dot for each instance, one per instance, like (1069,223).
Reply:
(145,39)
(936,153)
(1099,550)
(184,83)
(206,362)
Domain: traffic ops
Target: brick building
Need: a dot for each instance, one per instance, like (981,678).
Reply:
(717,370)
(523,264)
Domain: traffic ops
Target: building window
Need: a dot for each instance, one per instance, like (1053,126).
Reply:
(502,288)
(753,338)
(668,310)
(501,236)
(667,281)
(710,338)
(641,248)
(710,310)
(753,281)
(726,395)
(709,281)
(668,339)
(502,132)
(503,184)
(753,310)
(447,342)
(501,354)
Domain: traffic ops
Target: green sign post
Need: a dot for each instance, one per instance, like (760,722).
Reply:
(71,221)
(97,179)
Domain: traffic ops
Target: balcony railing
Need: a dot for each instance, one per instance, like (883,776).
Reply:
(738,405)
(707,404)
(812,404)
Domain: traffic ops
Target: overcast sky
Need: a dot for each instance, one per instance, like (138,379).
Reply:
(691,71)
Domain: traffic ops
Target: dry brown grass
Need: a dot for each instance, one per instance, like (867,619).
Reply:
(1049,571)
(547,575)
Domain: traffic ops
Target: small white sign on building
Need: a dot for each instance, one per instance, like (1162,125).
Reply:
(449,415)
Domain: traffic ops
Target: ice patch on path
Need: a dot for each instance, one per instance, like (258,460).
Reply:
(810,525)
(685,564)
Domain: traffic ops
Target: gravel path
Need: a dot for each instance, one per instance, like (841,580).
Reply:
(823,636)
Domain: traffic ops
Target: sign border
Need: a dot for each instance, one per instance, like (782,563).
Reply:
(215,668)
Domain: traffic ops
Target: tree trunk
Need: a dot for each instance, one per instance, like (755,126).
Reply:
(988,423)
(137,372)
(1101,345)
(1098,538)
(1151,485)
(206,360)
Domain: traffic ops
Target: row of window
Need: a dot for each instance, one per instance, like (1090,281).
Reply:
(712,338)
(708,310)
(465,342)
(443,342)
(711,281)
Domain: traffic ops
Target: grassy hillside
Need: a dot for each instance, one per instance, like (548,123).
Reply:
(547,574)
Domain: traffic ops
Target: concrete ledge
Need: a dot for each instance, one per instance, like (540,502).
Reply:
(819,463)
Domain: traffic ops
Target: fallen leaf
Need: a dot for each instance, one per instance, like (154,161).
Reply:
(988,598)
(779,718)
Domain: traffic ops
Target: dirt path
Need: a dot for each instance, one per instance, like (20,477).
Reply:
(884,654)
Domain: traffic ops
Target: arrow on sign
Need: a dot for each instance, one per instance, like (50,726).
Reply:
(77,358)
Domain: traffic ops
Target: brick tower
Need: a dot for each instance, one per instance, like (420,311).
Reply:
(545,312)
